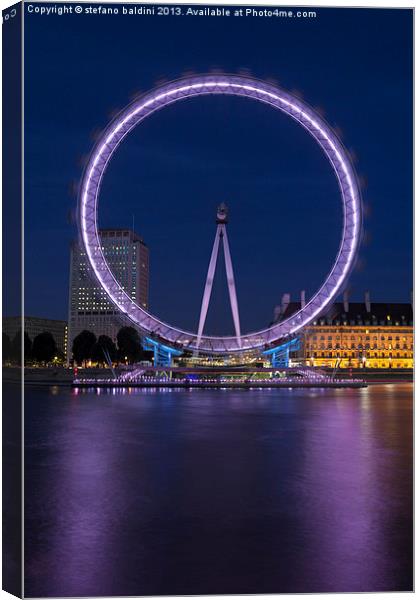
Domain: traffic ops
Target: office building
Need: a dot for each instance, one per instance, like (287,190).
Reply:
(36,325)
(89,306)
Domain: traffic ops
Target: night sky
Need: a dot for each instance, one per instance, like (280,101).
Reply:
(173,171)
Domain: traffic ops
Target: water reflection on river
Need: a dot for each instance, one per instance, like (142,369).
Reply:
(140,492)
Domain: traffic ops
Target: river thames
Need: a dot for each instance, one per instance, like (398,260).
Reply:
(144,492)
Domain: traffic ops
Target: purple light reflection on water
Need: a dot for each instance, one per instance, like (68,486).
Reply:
(211,491)
(357,468)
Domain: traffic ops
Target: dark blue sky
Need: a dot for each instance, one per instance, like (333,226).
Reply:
(356,64)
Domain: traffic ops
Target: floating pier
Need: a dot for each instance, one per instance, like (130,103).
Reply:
(219,384)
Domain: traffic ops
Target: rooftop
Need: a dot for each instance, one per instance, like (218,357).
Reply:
(380,313)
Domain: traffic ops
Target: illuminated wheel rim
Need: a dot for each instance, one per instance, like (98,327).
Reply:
(260,91)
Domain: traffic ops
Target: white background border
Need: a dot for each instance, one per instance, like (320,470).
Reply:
(308,3)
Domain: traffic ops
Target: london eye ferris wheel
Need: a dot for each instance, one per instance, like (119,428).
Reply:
(279,99)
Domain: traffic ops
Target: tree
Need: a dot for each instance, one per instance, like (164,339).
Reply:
(12,349)
(104,346)
(44,347)
(6,347)
(16,348)
(129,344)
(83,345)
(27,344)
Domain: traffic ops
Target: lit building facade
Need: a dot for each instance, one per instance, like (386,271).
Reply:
(89,306)
(36,325)
(359,335)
